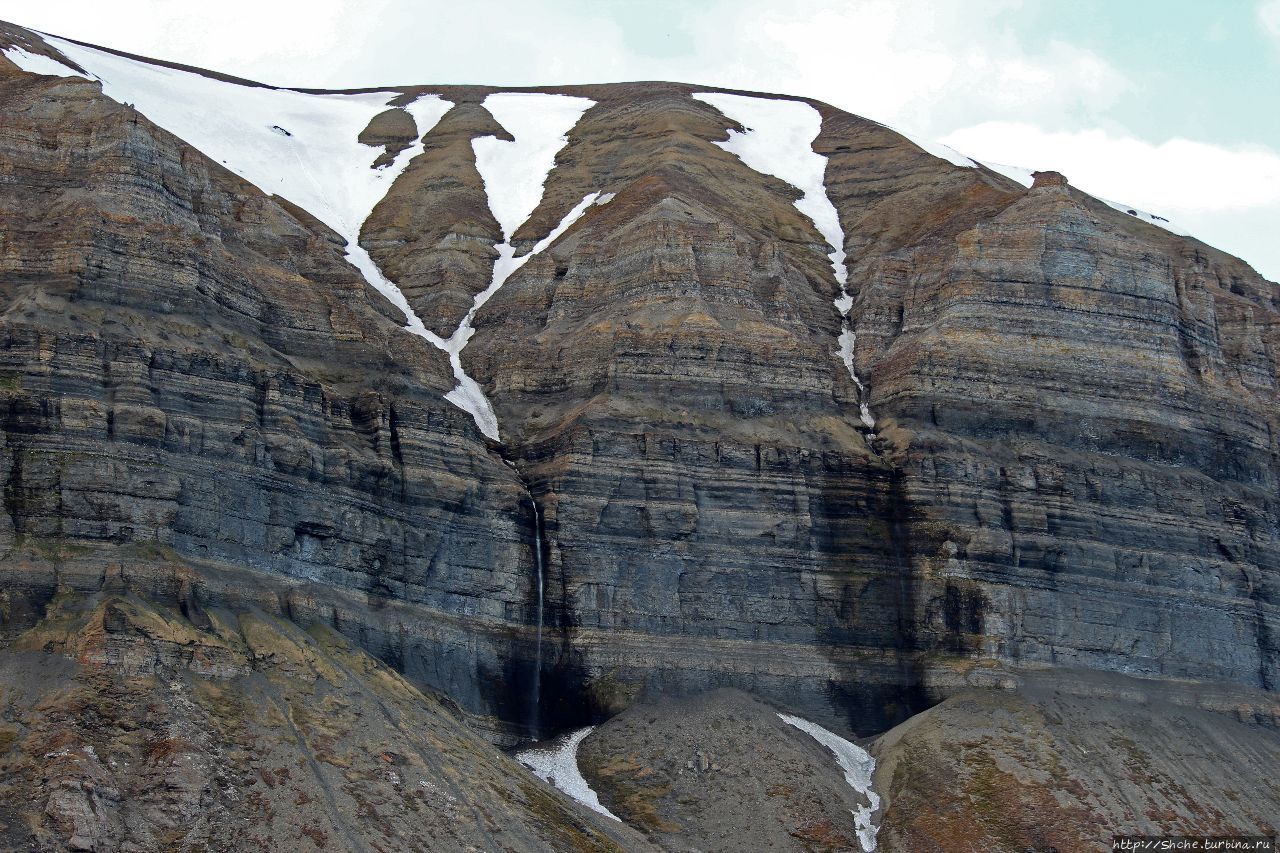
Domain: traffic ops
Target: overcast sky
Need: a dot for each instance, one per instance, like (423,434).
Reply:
(1167,105)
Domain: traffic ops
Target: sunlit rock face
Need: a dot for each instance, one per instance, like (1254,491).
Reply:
(1072,461)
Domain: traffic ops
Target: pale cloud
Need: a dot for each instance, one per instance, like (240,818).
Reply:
(1269,18)
(926,66)
(494,42)
(233,36)
(1178,174)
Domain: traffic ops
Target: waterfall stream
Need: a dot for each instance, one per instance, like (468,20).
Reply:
(536,700)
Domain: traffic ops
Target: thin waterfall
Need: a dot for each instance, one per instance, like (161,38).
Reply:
(536,700)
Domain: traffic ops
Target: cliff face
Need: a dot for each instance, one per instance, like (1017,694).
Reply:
(1092,409)
(194,374)
(1072,461)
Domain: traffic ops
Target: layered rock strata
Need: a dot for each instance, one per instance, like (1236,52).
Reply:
(1073,461)
(192,369)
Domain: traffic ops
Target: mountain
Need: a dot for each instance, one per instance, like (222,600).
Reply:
(425,421)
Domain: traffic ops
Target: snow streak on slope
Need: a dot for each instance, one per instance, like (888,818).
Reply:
(468,395)
(298,146)
(937,149)
(36,63)
(558,764)
(779,142)
(858,766)
(515,172)
(514,175)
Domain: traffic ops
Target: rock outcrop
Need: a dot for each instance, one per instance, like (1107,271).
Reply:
(721,772)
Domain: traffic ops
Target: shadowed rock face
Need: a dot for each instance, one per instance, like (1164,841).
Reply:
(1074,459)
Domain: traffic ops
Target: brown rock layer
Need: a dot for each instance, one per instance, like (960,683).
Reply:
(433,233)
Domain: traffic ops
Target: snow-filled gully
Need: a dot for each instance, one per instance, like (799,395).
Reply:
(557,764)
(305,148)
(514,174)
(858,767)
(778,141)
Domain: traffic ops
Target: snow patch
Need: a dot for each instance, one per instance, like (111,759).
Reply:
(557,764)
(298,146)
(317,163)
(1150,218)
(37,63)
(858,766)
(514,174)
(778,141)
